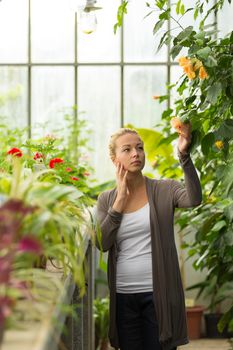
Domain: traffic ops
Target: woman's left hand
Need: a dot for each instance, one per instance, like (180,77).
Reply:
(185,137)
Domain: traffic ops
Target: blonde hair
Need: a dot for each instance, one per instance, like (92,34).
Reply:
(114,137)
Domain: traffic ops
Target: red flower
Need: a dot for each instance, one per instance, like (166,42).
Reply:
(38,155)
(55,161)
(15,152)
(68,170)
(30,244)
(86,173)
(74,178)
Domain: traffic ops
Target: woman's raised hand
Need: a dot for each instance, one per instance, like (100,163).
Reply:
(185,138)
(122,188)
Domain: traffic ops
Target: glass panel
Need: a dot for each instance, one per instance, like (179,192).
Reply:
(176,78)
(13,96)
(139,42)
(225,19)
(52,93)
(101,45)
(141,84)
(14,31)
(52,31)
(101,103)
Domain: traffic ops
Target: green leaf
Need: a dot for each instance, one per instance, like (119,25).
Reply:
(196,13)
(211,62)
(231,38)
(219,225)
(207,143)
(204,53)
(178,7)
(182,9)
(165,15)
(182,36)
(213,92)
(157,26)
(196,139)
(175,51)
(226,129)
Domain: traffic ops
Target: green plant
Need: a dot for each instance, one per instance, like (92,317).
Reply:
(101,317)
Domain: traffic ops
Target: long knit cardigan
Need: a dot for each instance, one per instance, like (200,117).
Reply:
(163,196)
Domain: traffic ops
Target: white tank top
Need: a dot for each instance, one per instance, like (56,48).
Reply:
(134,260)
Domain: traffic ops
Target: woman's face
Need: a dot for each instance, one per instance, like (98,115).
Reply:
(129,152)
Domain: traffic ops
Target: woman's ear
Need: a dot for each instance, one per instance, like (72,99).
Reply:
(114,160)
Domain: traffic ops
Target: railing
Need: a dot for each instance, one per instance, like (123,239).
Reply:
(73,332)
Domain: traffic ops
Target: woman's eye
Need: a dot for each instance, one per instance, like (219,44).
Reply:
(126,150)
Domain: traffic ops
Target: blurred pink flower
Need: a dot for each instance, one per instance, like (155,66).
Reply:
(30,244)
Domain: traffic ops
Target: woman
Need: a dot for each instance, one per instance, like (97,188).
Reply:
(147,310)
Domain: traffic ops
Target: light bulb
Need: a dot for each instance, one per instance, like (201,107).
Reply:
(88,22)
(77,5)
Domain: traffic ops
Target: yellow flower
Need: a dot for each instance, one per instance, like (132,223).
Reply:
(219,144)
(187,65)
(183,61)
(202,73)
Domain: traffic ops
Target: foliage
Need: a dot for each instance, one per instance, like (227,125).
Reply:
(101,317)
(52,194)
(204,97)
(120,14)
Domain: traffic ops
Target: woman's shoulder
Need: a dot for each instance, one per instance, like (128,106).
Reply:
(107,195)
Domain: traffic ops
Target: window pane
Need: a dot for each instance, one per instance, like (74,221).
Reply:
(177,77)
(139,42)
(99,97)
(14,31)
(13,96)
(52,93)
(141,84)
(101,45)
(52,31)
(225,19)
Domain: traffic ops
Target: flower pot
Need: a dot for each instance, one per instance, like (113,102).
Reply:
(194,318)
(211,322)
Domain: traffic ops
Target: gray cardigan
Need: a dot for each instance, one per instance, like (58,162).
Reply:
(163,196)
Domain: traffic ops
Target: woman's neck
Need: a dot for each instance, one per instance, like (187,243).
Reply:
(135,180)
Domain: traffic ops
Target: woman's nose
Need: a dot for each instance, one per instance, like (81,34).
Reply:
(134,152)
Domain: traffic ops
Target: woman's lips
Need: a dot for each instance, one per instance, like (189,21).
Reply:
(136,162)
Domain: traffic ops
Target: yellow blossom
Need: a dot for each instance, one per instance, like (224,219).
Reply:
(219,144)
(202,73)
(187,65)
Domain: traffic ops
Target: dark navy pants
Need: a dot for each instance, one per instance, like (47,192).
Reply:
(136,322)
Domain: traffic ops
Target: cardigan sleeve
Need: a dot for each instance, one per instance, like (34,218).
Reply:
(108,222)
(189,195)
